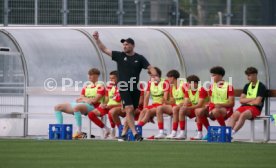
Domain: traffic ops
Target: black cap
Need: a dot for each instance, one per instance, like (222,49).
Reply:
(128,40)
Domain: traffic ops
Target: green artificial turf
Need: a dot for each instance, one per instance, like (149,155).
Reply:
(102,154)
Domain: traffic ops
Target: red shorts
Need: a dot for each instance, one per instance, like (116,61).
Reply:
(173,105)
(254,110)
(102,111)
(153,106)
(192,114)
(96,105)
(229,111)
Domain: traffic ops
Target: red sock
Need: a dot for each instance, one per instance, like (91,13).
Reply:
(141,123)
(92,116)
(221,121)
(182,125)
(199,126)
(205,122)
(161,125)
(112,124)
(175,126)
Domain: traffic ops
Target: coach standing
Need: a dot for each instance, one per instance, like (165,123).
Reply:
(129,65)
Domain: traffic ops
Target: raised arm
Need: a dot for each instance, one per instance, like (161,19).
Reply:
(101,45)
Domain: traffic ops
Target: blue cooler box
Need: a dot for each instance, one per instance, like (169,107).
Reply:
(60,131)
(130,136)
(219,134)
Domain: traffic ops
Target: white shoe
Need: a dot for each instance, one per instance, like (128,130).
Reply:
(180,136)
(160,136)
(199,136)
(106,132)
(171,136)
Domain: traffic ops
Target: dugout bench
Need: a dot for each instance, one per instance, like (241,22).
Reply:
(263,117)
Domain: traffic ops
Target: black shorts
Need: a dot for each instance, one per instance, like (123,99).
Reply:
(130,98)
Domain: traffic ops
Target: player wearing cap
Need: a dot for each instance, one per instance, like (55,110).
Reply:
(252,100)
(129,65)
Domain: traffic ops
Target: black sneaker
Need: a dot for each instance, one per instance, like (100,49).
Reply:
(85,135)
(138,137)
(122,138)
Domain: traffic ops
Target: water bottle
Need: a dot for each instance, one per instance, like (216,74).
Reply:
(55,132)
(68,129)
(213,136)
(228,134)
(53,128)
(219,135)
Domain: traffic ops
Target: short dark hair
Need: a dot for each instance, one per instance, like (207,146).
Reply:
(193,78)
(173,73)
(218,70)
(158,71)
(251,70)
(94,71)
(115,73)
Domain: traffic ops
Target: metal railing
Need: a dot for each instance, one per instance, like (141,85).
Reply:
(88,12)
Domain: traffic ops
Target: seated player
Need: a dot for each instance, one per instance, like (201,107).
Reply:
(252,101)
(158,89)
(91,97)
(177,92)
(196,97)
(221,95)
(111,103)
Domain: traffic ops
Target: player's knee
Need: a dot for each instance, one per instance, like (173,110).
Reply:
(244,116)
(175,112)
(235,115)
(184,109)
(216,112)
(145,111)
(129,109)
(159,110)
(77,108)
(198,113)
(113,113)
(175,108)
(58,107)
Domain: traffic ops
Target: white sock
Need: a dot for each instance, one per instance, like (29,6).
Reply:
(199,132)
(161,131)
(173,132)
(182,131)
